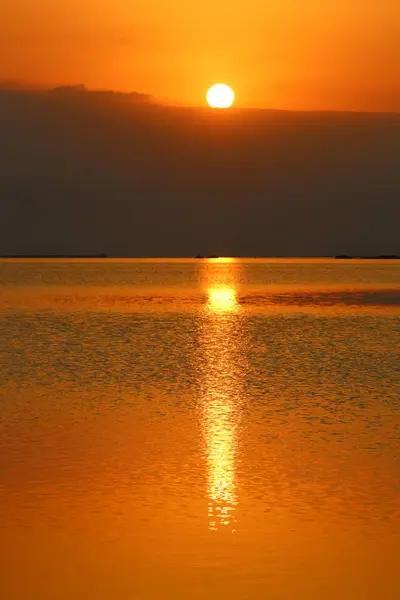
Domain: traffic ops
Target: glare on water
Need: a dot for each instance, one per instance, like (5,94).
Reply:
(221,389)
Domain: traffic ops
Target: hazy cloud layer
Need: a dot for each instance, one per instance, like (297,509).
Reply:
(85,171)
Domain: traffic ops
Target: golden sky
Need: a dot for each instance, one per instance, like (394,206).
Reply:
(290,54)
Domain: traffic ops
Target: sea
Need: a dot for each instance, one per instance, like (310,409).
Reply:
(200,429)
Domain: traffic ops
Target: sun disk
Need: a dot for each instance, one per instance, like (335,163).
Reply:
(220,95)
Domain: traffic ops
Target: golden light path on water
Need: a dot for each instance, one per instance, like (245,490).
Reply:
(221,391)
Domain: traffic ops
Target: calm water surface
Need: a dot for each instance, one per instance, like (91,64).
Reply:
(200,429)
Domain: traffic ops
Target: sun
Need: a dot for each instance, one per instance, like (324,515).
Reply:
(220,95)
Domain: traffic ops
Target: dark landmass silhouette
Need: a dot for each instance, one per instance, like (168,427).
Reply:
(379,257)
(61,256)
(82,170)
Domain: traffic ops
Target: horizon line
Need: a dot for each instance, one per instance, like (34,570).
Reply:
(143,98)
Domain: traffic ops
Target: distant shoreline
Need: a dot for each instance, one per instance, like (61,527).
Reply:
(198,257)
(33,256)
(379,257)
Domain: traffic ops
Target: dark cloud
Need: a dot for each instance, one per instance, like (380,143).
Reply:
(81,91)
(84,171)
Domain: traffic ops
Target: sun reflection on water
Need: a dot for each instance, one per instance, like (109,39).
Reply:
(222,299)
(220,360)
(220,435)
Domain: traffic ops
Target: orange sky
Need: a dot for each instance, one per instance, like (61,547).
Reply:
(291,54)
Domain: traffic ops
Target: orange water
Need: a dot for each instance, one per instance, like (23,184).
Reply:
(200,429)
